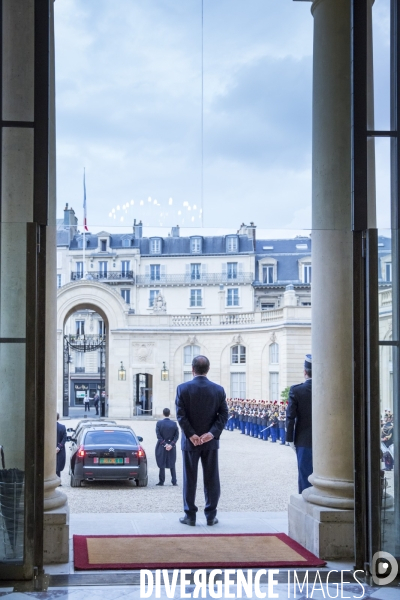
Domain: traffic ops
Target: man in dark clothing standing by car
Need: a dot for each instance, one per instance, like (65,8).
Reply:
(202,413)
(299,424)
(60,448)
(167,435)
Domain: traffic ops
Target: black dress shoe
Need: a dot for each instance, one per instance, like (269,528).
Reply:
(213,521)
(174,484)
(187,521)
(159,483)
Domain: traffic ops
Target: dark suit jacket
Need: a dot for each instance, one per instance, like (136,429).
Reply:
(299,415)
(167,433)
(61,440)
(201,408)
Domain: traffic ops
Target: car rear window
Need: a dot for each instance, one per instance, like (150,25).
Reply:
(110,436)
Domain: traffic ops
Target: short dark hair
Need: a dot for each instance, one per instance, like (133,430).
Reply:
(200,365)
(308,371)
(58,416)
(166,412)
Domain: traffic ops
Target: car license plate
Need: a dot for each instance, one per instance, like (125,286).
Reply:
(111,461)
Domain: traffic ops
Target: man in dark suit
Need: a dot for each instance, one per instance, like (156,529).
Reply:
(299,424)
(167,435)
(60,448)
(202,413)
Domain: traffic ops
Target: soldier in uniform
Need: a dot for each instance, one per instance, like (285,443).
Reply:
(282,424)
(299,424)
(274,423)
(231,415)
(241,417)
(246,417)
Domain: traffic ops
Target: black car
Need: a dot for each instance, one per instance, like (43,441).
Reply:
(107,452)
(74,432)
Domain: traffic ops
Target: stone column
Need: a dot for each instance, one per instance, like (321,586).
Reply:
(330,500)
(56,523)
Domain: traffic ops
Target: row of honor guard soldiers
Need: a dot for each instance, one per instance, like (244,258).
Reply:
(258,418)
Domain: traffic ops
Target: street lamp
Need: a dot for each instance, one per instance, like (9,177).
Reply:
(164,373)
(122,373)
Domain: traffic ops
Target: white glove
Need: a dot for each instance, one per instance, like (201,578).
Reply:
(293,447)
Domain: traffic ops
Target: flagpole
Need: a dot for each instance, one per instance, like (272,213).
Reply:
(84,225)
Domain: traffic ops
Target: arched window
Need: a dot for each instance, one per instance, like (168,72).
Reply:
(189,352)
(274,354)
(238,355)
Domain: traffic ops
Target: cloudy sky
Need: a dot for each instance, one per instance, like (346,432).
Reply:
(129,110)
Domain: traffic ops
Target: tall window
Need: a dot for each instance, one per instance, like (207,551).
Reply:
(79,360)
(388,269)
(238,355)
(187,376)
(307,273)
(125,268)
(195,271)
(274,386)
(155,246)
(59,284)
(232,243)
(268,274)
(238,385)
(232,270)
(152,297)
(196,298)
(189,352)
(195,245)
(274,354)
(102,327)
(103,269)
(126,242)
(103,245)
(232,297)
(79,270)
(126,294)
(155,272)
(80,328)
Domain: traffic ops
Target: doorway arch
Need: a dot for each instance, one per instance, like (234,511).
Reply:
(106,302)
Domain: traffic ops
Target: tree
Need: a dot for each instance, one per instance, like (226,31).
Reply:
(285,393)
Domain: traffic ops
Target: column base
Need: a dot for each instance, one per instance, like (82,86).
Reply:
(56,536)
(328,533)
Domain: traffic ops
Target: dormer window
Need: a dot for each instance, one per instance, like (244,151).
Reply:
(232,243)
(195,245)
(126,242)
(80,242)
(388,272)
(306,273)
(103,245)
(155,246)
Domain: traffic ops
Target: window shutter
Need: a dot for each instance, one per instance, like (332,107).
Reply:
(187,273)
(163,271)
(147,271)
(240,268)
(203,269)
(224,269)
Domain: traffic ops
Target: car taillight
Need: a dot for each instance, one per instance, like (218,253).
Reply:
(81,451)
(141,453)
(126,461)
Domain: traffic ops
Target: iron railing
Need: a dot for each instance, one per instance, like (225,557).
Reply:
(194,279)
(111,276)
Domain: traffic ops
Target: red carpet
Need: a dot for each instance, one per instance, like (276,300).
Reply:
(263,550)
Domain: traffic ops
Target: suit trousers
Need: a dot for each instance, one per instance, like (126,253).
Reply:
(212,490)
(305,466)
(161,475)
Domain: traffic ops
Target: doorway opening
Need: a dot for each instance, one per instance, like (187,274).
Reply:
(143,394)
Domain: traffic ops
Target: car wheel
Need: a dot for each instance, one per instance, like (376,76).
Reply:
(142,482)
(75,482)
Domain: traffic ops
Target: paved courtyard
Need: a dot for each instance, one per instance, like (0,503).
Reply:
(256,476)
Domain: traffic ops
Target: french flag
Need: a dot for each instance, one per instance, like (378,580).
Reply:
(84,202)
